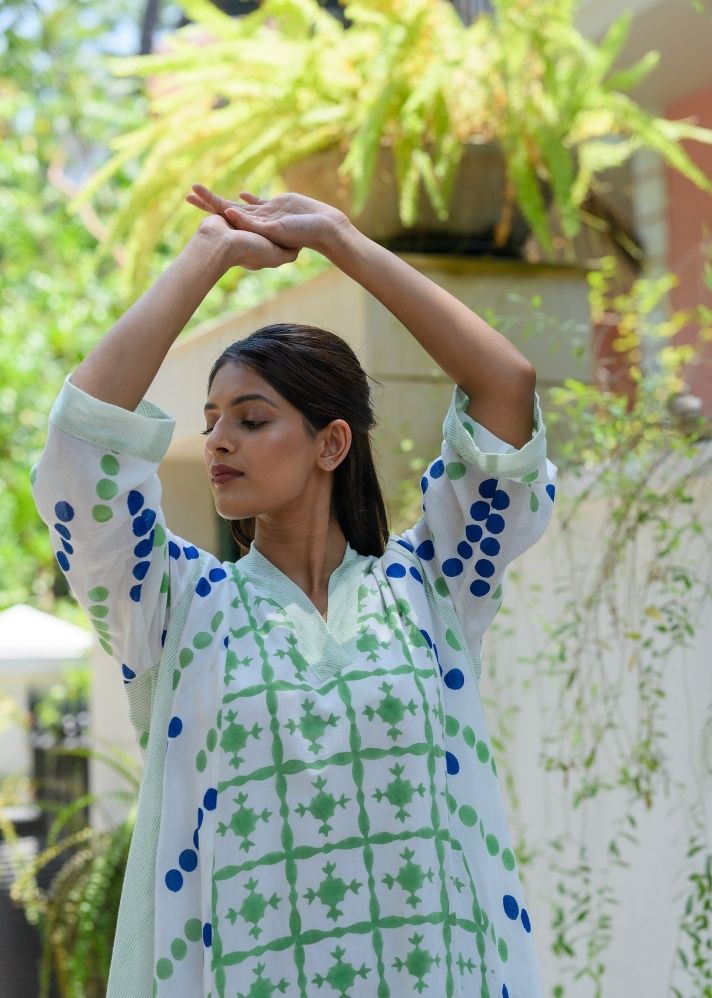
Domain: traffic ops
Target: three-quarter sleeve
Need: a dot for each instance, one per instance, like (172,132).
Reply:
(97,489)
(484,503)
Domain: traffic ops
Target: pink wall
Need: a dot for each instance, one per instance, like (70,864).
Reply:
(689,213)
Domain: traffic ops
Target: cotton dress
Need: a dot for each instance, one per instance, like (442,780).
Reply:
(319,812)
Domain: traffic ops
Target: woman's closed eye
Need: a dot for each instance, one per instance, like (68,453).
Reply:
(251,424)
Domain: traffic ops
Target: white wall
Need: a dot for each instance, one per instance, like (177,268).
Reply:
(111,732)
(525,705)
(14,744)
(17,680)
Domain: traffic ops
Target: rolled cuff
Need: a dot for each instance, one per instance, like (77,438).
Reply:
(479,446)
(145,432)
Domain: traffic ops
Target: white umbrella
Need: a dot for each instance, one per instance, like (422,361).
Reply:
(30,638)
(35,648)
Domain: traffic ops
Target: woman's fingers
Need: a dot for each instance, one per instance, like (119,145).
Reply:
(286,255)
(205,199)
(217,203)
(240,216)
(263,253)
(263,218)
(198,202)
(251,198)
(259,227)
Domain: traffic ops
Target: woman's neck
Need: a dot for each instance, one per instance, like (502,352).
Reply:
(308,556)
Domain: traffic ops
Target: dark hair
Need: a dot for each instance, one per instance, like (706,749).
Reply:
(320,375)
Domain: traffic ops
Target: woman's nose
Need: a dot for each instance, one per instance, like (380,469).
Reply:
(218,439)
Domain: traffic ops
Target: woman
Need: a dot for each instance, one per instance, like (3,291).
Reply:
(319,811)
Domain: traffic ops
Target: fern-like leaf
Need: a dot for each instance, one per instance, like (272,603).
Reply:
(627,79)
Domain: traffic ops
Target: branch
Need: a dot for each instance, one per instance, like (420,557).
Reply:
(91,221)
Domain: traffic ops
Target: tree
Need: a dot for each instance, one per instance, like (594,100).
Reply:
(58,105)
(244,101)
(60,291)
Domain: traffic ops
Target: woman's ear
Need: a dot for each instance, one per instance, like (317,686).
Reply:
(336,441)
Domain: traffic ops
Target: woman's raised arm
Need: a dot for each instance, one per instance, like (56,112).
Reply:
(498,380)
(125,361)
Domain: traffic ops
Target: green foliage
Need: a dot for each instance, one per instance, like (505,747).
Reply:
(405,506)
(235,102)
(59,108)
(54,301)
(694,945)
(72,692)
(77,914)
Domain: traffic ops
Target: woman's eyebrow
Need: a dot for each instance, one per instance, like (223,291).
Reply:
(238,400)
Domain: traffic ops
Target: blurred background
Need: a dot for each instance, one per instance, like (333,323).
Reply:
(548,162)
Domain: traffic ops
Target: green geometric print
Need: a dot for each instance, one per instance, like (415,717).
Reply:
(361,752)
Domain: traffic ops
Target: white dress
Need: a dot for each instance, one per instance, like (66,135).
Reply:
(319,812)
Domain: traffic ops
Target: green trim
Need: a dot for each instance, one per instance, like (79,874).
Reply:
(145,432)
(325,653)
(140,693)
(514,464)
(132,963)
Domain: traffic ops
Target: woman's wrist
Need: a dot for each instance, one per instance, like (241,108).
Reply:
(342,242)
(210,254)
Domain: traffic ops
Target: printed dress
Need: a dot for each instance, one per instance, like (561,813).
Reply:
(319,812)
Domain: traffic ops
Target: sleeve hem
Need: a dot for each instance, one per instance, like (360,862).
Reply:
(144,433)
(510,463)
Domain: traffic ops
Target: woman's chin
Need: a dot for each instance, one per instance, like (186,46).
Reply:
(234,511)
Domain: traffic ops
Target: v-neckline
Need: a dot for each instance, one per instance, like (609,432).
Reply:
(326,645)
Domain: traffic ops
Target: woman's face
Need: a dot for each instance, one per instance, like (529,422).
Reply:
(256,432)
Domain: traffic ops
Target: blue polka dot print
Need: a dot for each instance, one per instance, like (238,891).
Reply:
(422,610)
(64,512)
(204,586)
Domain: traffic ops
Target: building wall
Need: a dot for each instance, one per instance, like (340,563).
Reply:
(414,393)
(15,755)
(689,223)
(651,890)
(187,502)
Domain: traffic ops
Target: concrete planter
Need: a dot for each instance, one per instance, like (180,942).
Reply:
(475,208)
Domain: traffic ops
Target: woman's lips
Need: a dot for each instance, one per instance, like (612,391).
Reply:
(225,476)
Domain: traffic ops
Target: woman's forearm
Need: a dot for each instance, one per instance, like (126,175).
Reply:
(497,377)
(122,365)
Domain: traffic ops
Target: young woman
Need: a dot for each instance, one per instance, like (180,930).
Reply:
(319,811)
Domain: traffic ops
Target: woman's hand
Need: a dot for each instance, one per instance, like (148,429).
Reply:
(243,249)
(289,221)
